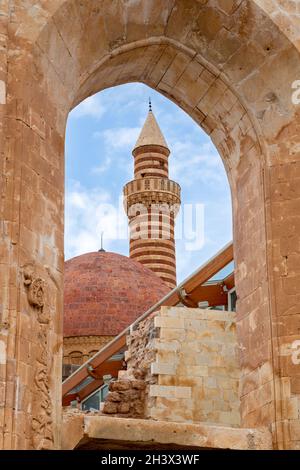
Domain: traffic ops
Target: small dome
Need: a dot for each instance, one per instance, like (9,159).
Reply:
(105,292)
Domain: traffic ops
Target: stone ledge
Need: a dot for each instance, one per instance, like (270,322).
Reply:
(102,428)
(198,314)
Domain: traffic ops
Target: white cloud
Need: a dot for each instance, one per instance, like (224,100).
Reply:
(119,137)
(104,166)
(184,261)
(88,213)
(116,154)
(132,100)
(191,164)
(90,107)
(118,144)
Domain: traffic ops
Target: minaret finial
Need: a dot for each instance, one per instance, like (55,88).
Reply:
(150,105)
(101,249)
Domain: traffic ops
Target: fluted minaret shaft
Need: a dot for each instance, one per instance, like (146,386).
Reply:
(152,201)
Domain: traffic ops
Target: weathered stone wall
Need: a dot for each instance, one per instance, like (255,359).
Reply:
(186,363)
(286,15)
(126,398)
(129,395)
(196,367)
(4,243)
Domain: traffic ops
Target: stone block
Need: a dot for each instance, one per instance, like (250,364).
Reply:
(168,322)
(196,371)
(123,408)
(2,92)
(210,382)
(160,345)
(163,368)
(227,383)
(169,391)
(294,428)
(166,356)
(114,397)
(183,415)
(110,407)
(232,418)
(170,334)
(120,385)
(295,385)
(176,68)
(138,384)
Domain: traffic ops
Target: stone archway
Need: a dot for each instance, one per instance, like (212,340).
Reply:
(231,69)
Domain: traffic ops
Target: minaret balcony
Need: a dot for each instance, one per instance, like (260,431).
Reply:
(151,191)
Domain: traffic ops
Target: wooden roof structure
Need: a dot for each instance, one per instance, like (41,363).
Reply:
(196,288)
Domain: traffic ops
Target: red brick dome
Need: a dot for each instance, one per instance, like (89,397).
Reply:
(105,292)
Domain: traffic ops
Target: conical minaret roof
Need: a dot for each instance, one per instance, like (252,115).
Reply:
(151,133)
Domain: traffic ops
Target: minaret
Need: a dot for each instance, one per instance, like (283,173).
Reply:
(152,202)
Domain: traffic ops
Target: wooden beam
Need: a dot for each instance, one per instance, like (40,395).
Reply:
(99,358)
(206,272)
(229,281)
(111,367)
(68,398)
(213,294)
(209,269)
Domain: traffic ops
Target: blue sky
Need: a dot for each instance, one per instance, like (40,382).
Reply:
(101,133)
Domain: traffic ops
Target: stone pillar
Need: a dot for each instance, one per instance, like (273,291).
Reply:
(152,202)
(31,255)
(4,267)
(31,308)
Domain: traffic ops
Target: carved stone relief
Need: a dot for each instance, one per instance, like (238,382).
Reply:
(42,433)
